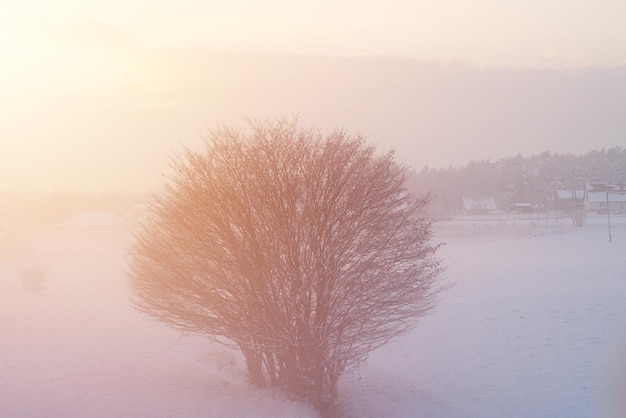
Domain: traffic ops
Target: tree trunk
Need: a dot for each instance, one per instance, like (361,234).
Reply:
(254,362)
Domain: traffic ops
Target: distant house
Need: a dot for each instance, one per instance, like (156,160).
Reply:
(478,205)
(566,201)
(597,195)
(524,207)
(569,198)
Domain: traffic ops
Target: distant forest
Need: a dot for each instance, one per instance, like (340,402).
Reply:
(510,180)
(518,179)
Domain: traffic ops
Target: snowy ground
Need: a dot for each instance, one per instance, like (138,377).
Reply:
(534,326)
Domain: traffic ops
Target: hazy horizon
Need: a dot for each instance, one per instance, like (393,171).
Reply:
(97,96)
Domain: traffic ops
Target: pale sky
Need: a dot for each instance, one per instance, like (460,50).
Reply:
(86,48)
(480,32)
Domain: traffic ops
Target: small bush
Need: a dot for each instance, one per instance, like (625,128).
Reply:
(305,250)
(33,279)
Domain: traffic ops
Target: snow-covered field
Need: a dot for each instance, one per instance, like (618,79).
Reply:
(534,325)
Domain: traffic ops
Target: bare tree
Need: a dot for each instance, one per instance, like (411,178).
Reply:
(305,251)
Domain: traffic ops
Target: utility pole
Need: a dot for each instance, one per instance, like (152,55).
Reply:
(556,206)
(608,213)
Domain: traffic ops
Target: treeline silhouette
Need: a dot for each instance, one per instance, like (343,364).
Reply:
(511,180)
(518,179)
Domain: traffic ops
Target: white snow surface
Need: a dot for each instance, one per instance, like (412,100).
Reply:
(533,325)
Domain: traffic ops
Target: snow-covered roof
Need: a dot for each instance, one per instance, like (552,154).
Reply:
(567,194)
(93,219)
(599,197)
(601,187)
(485,203)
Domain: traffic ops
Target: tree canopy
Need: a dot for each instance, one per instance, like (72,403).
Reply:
(305,251)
